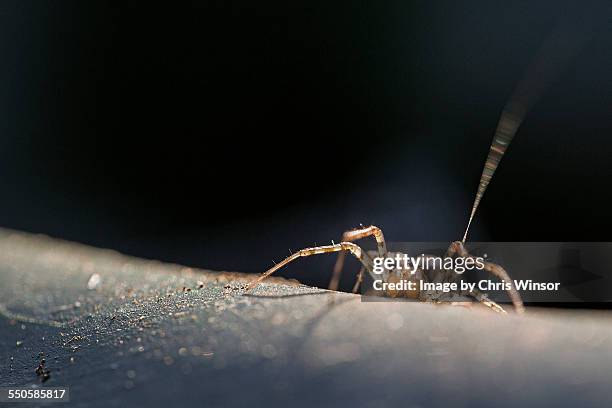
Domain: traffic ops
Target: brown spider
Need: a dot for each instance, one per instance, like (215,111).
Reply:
(428,275)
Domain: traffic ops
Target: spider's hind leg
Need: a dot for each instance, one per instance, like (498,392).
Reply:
(354,235)
(359,280)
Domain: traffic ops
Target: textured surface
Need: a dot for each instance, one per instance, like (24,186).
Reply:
(120,330)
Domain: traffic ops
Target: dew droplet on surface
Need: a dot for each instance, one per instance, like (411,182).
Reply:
(94,281)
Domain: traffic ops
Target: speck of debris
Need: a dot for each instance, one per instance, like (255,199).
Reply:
(74,338)
(43,372)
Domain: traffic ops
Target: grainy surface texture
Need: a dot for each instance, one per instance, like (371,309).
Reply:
(126,332)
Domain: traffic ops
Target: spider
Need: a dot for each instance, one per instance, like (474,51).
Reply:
(395,275)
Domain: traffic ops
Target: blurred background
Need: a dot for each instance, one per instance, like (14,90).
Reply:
(222,134)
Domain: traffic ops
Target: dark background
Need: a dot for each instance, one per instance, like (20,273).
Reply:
(222,134)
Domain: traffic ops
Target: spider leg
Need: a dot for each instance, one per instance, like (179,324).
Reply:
(359,280)
(355,250)
(482,298)
(354,235)
(495,270)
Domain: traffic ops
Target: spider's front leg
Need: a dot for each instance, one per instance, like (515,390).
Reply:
(457,248)
(482,298)
(342,247)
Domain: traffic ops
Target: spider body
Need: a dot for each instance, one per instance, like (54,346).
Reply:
(414,273)
(400,282)
(424,284)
